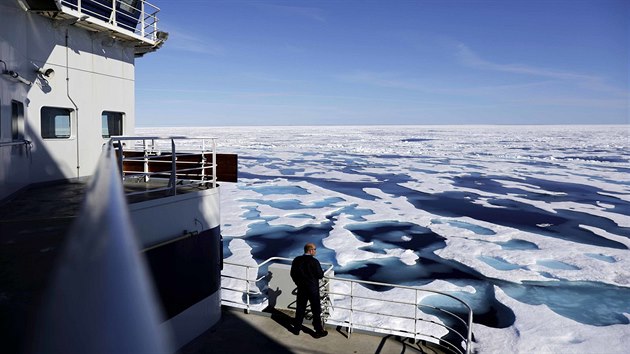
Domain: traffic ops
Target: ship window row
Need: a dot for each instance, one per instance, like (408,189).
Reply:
(56,123)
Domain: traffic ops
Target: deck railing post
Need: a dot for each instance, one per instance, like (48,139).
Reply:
(350,323)
(142,14)
(214,163)
(415,318)
(146,160)
(112,17)
(173,180)
(247,287)
(203,160)
(155,21)
(120,159)
(469,337)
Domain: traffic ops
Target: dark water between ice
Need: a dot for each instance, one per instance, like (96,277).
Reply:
(590,303)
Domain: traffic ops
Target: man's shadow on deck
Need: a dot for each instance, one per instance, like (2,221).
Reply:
(283,318)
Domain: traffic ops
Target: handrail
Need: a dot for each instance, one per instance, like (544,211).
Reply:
(142,20)
(468,324)
(101,259)
(152,148)
(15,143)
(355,300)
(248,292)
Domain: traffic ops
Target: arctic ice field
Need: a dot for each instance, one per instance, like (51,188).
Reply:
(529,224)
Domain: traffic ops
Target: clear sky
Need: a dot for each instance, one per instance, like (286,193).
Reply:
(349,62)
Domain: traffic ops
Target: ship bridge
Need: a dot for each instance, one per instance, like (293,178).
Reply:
(133,21)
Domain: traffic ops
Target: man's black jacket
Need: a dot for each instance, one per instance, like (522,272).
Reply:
(306,271)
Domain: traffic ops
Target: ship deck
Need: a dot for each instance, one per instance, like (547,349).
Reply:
(34,223)
(33,227)
(238,332)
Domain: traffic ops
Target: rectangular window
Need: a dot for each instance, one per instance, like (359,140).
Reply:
(112,124)
(129,5)
(17,120)
(55,123)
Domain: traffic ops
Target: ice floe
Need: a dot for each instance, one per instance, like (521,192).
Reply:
(517,209)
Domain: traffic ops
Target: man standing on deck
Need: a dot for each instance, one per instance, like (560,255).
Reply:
(306,271)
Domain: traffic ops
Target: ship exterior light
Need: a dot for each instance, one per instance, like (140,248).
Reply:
(48,73)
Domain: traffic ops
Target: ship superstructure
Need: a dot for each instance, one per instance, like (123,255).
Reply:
(67,83)
(66,105)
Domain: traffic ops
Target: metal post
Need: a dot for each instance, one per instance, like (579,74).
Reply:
(142,18)
(415,318)
(79,5)
(120,159)
(146,160)
(469,341)
(112,17)
(214,163)
(203,160)
(154,36)
(173,179)
(351,309)
(247,287)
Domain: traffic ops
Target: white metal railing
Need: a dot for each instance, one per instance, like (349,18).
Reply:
(250,274)
(26,143)
(101,242)
(136,16)
(405,310)
(399,309)
(161,158)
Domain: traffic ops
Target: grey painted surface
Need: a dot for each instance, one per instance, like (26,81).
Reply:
(281,287)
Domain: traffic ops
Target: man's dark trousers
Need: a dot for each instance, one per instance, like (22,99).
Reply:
(310,294)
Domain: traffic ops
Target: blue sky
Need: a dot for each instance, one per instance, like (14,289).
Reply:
(350,62)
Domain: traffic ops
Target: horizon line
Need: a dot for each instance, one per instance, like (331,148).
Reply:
(386,125)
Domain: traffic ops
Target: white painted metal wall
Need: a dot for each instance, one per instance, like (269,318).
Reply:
(92,74)
(157,221)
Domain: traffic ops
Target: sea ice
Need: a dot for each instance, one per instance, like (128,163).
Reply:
(516,206)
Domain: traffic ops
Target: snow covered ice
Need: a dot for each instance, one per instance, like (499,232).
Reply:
(529,224)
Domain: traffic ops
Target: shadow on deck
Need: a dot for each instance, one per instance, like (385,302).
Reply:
(34,224)
(33,227)
(264,333)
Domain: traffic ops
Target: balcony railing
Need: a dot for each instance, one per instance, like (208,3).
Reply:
(406,311)
(137,17)
(172,163)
